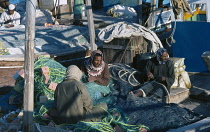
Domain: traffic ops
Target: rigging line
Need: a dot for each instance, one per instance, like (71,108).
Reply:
(172,34)
(125,49)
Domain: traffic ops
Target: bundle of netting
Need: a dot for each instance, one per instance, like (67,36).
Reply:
(47,74)
(124,77)
(159,116)
(95,89)
(55,73)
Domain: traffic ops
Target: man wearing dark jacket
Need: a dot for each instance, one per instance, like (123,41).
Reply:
(159,69)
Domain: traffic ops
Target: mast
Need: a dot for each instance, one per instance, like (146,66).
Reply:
(152,17)
(28,104)
(90,24)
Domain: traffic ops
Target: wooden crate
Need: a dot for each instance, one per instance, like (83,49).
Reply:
(122,50)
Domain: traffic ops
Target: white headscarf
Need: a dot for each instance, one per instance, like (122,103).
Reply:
(94,71)
(11,7)
(73,72)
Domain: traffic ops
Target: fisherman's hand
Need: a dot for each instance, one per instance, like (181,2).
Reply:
(10,25)
(92,79)
(150,75)
(160,78)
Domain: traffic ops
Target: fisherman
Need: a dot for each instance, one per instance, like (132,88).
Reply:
(10,18)
(73,102)
(97,74)
(96,69)
(160,69)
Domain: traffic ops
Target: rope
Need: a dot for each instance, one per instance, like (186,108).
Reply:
(105,124)
(172,34)
(168,94)
(131,74)
(148,18)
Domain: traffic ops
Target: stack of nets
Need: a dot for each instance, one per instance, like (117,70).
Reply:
(159,116)
(56,74)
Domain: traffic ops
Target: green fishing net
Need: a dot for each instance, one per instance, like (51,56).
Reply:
(115,117)
(56,74)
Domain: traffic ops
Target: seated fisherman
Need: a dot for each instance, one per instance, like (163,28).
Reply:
(96,69)
(10,18)
(160,69)
(97,73)
(73,102)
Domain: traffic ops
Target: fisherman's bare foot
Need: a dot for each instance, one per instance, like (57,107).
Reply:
(142,130)
(131,92)
(118,129)
(139,93)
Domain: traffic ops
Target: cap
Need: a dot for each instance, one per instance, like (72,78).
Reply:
(11,7)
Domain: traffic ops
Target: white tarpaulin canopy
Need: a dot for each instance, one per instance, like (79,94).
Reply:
(126,30)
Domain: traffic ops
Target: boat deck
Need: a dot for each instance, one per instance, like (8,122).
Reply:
(201,80)
(199,100)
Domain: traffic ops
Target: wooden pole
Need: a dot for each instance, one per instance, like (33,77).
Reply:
(71,4)
(28,102)
(90,24)
(139,13)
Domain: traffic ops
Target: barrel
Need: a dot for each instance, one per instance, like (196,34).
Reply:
(140,60)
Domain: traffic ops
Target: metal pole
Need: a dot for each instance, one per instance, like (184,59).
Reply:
(152,17)
(28,103)
(90,24)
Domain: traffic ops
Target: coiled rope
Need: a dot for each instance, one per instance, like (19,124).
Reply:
(123,70)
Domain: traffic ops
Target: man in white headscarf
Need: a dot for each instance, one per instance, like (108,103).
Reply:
(10,18)
(73,102)
(96,69)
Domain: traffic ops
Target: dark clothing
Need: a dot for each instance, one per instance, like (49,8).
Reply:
(103,78)
(4,4)
(166,70)
(74,104)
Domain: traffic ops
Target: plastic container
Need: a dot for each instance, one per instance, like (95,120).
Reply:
(206,58)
